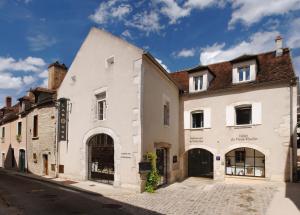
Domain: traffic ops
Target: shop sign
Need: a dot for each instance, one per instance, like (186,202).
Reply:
(243,138)
(194,140)
(62,119)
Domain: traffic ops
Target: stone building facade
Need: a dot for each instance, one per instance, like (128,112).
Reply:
(34,147)
(212,121)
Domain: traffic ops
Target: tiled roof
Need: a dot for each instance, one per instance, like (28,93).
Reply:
(270,69)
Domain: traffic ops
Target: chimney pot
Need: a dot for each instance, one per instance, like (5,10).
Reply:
(279,46)
(8,101)
(56,74)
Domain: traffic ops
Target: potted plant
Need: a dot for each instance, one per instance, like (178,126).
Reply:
(153,176)
(19,138)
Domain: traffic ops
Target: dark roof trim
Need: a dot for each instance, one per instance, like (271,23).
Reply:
(244,57)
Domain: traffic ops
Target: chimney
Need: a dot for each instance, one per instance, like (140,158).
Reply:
(279,46)
(56,74)
(8,101)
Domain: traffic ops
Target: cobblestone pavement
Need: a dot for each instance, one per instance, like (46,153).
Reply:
(205,197)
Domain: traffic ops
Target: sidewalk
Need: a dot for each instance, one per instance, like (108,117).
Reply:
(88,187)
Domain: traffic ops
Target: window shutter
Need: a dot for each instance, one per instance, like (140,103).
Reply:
(256,113)
(235,75)
(187,119)
(207,117)
(230,116)
(252,72)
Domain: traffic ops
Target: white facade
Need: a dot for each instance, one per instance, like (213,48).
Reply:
(115,89)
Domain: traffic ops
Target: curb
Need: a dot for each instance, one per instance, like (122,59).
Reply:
(38,178)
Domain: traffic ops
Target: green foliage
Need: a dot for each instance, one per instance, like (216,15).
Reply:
(153,176)
(19,138)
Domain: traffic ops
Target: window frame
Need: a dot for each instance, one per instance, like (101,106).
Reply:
(200,82)
(192,121)
(166,113)
(35,132)
(19,128)
(244,70)
(236,108)
(101,102)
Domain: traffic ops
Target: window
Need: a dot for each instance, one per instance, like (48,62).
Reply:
(198,83)
(167,113)
(239,156)
(244,73)
(243,115)
(19,128)
(3,132)
(197,119)
(35,126)
(101,106)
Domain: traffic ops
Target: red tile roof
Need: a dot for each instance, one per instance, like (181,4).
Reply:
(270,69)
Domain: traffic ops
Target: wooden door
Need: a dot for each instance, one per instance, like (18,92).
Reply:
(45,158)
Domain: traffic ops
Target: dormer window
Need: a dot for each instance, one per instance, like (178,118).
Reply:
(198,83)
(244,73)
(199,80)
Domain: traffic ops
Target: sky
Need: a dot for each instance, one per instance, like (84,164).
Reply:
(179,33)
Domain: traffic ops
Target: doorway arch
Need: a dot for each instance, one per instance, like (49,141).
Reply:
(200,163)
(101,165)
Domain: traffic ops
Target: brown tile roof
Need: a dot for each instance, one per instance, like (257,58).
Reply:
(270,69)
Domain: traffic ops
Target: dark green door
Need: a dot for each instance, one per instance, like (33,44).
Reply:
(200,163)
(22,160)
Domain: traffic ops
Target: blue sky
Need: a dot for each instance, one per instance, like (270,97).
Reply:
(180,34)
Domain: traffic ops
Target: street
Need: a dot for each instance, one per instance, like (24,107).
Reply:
(19,195)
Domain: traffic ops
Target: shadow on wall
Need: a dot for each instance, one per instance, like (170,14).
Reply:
(10,159)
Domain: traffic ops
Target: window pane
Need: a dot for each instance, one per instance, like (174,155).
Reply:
(196,83)
(243,115)
(247,69)
(241,72)
(197,120)
(166,114)
(201,83)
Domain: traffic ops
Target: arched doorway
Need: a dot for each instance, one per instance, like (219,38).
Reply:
(200,163)
(101,159)
(245,162)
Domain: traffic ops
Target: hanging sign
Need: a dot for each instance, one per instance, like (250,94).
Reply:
(62,119)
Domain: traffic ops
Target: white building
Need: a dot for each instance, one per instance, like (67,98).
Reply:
(231,118)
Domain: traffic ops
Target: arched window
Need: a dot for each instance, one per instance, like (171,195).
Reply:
(245,162)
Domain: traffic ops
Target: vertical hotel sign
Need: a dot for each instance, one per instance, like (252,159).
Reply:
(62,119)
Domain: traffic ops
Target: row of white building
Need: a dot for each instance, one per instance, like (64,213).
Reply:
(116,103)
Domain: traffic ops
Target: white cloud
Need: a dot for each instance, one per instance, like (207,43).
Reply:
(27,1)
(249,12)
(44,74)
(185,53)
(127,34)
(147,22)
(28,79)
(296,61)
(40,42)
(107,11)
(7,81)
(29,64)
(45,83)
(293,35)
(174,11)
(201,4)
(258,42)
(163,65)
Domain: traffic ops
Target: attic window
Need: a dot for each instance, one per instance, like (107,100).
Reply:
(244,73)
(110,61)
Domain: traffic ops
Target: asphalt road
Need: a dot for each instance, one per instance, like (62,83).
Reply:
(20,195)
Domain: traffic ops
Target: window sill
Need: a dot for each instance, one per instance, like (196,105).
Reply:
(35,138)
(243,82)
(197,91)
(243,126)
(195,129)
